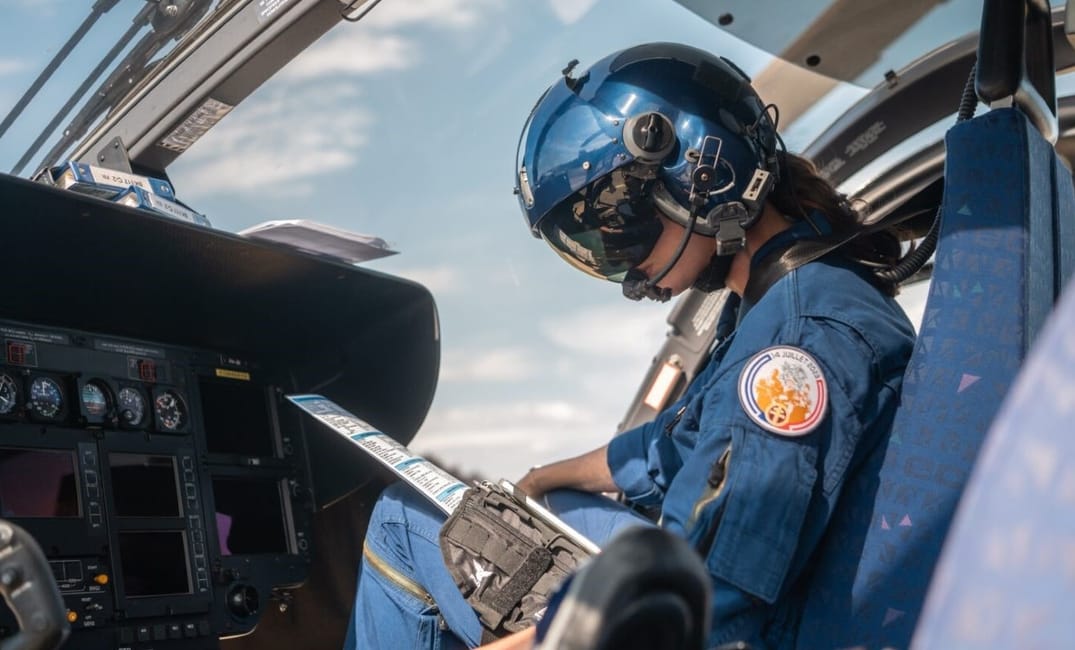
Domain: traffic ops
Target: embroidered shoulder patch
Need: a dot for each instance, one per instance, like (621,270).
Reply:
(783,389)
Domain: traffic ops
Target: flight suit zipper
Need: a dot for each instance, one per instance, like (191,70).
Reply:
(674,421)
(718,477)
(395,577)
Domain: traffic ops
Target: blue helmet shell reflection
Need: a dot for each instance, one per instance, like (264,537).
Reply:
(584,129)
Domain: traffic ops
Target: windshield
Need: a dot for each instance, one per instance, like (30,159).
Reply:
(404,125)
(96,54)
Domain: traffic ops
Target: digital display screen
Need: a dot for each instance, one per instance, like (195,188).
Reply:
(38,483)
(20,353)
(144,485)
(236,416)
(154,563)
(249,516)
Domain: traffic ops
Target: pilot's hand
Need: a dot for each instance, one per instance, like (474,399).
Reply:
(588,472)
(530,483)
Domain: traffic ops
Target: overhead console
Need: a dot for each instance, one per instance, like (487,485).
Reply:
(144,439)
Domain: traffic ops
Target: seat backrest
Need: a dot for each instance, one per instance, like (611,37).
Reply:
(1006,578)
(997,273)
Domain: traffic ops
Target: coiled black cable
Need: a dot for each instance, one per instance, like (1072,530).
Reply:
(919,255)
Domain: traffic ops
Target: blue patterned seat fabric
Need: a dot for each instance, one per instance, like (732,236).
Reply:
(1006,578)
(1004,249)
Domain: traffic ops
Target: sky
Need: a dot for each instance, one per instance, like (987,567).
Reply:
(404,125)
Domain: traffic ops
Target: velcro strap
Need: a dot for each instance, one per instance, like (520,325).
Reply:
(521,582)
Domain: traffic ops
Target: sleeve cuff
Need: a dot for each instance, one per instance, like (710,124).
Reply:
(627,461)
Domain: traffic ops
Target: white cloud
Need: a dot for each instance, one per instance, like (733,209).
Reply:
(11,66)
(498,364)
(352,51)
(569,12)
(371,46)
(609,330)
(48,7)
(495,42)
(550,412)
(247,154)
(502,440)
(457,14)
(599,360)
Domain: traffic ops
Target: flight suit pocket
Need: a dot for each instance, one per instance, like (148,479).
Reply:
(770,480)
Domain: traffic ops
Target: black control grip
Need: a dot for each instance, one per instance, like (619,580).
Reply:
(30,591)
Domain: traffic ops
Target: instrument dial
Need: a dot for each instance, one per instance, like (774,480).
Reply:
(46,397)
(94,399)
(9,394)
(171,411)
(132,406)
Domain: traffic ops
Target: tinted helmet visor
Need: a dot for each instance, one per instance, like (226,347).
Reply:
(605,229)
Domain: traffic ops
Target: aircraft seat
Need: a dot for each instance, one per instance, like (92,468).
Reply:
(998,270)
(1006,578)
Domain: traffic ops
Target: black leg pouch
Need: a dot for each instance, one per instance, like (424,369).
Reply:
(505,560)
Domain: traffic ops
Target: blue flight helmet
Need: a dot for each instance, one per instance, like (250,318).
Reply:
(660,127)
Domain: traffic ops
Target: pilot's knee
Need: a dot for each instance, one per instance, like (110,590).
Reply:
(393,505)
(399,514)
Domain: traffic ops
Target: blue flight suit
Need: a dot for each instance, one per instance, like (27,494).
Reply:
(753,500)
(705,461)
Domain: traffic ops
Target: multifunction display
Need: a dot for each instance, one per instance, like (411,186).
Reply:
(156,480)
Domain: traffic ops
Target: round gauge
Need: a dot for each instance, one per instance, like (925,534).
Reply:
(171,411)
(132,406)
(94,399)
(46,397)
(9,393)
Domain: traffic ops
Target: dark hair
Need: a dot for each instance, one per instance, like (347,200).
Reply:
(802,190)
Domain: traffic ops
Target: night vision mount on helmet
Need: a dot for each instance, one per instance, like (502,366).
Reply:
(657,128)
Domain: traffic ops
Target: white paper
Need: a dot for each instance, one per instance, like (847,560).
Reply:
(320,239)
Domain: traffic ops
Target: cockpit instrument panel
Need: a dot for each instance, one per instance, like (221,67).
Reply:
(132,407)
(147,451)
(10,393)
(170,491)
